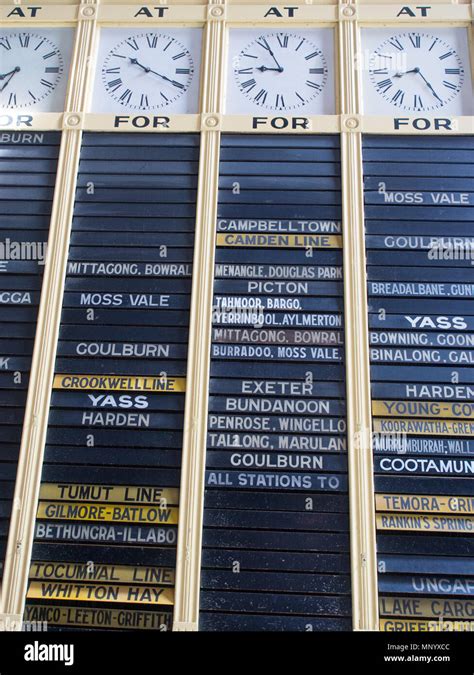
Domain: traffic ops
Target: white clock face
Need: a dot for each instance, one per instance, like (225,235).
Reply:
(281,71)
(149,70)
(34,65)
(419,71)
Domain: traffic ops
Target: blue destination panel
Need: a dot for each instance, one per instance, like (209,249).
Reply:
(28,163)
(420,253)
(105,540)
(276,525)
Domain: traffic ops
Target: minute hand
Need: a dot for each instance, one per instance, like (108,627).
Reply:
(428,85)
(163,77)
(266,46)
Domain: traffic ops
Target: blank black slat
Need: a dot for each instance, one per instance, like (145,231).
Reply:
(263,540)
(261,154)
(222,580)
(417,544)
(272,520)
(443,156)
(235,169)
(138,196)
(272,603)
(137,166)
(151,153)
(126,555)
(145,141)
(293,183)
(281,142)
(132,181)
(217,621)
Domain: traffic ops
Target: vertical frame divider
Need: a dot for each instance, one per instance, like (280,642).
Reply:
(359,417)
(191,500)
(22,524)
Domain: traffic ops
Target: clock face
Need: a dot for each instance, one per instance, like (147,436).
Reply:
(420,71)
(33,69)
(146,71)
(281,71)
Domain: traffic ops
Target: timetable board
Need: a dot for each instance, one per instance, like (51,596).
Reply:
(276,541)
(420,247)
(106,528)
(28,163)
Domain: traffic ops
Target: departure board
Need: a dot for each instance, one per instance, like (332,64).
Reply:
(420,252)
(276,541)
(106,530)
(28,163)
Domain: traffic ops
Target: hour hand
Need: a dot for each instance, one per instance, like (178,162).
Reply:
(413,70)
(9,76)
(262,69)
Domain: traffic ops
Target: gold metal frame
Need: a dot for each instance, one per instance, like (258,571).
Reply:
(215,17)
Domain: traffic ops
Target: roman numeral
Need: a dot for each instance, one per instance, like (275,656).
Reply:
(302,42)
(32,95)
(417,102)
(313,85)
(113,71)
(178,85)
(316,71)
(452,71)
(300,97)
(415,40)
(434,42)
(144,101)
(119,56)
(168,45)
(179,56)
(152,41)
(50,54)
(385,85)
(399,96)
(250,56)
(446,56)
(133,44)
(449,85)
(165,97)
(261,96)
(115,84)
(24,40)
(52,69)
(395,42)
(245,71)
(39,45)
(283,40)
(4,42)
(312,56)
(182,71)
(126,97)
(12,99)
(47,83)
(280,101)
(380,71)
(249,84)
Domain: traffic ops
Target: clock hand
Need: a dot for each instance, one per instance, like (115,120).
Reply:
(413,70)
(11,74)
(149,70)
(15,70)
(266,46)
(428,85)
(262,69)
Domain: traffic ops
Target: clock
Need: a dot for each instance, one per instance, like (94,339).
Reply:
(417,71)
(34,65)
(148,71)
(281,71)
